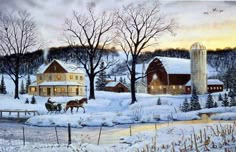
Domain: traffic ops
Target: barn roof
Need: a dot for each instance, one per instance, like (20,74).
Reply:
(209,82)
(70,68)
(174,65)
(113,84)
(59,83)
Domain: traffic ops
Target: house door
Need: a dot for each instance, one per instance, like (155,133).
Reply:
(77,91)
(48,91)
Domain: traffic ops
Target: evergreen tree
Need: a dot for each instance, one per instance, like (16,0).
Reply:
(230,94)
(194,103)
(185,106)
(115,79)
(101,80)
(121,80)
(159,101)
(225,102)
(28,82)
(3,86)
(27,101)
(232,101)
(33,100)
(124,81)
(210,101)
(215,104)
(22,88)
(220,98)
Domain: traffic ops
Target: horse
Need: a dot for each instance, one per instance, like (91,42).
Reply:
(53,107)
(76,104)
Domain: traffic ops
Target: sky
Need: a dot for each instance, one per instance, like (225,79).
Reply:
(196,20)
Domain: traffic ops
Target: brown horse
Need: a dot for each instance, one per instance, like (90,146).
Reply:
(76,104)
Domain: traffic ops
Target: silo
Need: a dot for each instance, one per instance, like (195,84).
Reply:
(198,56)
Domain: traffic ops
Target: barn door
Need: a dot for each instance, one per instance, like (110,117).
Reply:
(48,91)
(77,91)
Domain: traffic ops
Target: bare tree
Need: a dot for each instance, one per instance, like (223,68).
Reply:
(17,36)
(140,26)
(91,31)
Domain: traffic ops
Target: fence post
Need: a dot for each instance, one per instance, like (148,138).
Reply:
(69,134)
(56,134)
(23,136)
(130,131)
(99,135)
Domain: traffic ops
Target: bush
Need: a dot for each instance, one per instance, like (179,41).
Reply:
(33,100)
(159,101)
(27,101)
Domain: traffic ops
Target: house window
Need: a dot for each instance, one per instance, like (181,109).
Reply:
(71,77)
(180,87)
(76,77)
(220,88)
(160,87)
(210,88)
(62,89)
(55,89)
(33,89)
(70,89)
(50,77)
(188,89)
(173,87)
(40,77)
(58,77)
(214,88)
(81,78)
(217,88)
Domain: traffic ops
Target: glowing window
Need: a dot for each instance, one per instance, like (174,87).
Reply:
(173,87)
(188,89)
(214,88)
(62,89)
(71,77)
(160,87)
(180,87)
(55,89)
(33,89)
(58,77)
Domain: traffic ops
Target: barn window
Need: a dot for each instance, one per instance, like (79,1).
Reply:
(160,87)
(173,87)
(214,88)
(62,89)
(154,77)
(152,87)
(217,88)
(180,87)
(188,89)
(55,89)
(220,88)
(58,77)
(210,88)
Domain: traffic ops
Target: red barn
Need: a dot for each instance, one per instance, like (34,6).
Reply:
(116,87)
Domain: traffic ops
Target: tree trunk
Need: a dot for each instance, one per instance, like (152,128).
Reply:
(132,83)
(16,82)
(91,91)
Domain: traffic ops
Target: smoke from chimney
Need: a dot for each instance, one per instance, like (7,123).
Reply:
(45,56)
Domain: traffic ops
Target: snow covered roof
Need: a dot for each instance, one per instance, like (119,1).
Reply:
(209,82)
(175,65)
(70,68)
(59,83)
(113,84)
(34,84)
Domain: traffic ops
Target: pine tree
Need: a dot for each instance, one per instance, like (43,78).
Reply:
(22,88)
(28,82)
(225,102)
(220,98)
(27,101)
(185,106)
(121,80)
(124,81)
(3,86)
(230,94)
(101,80)
(159,101)
(33,100)
(115,79)
(215,104)
(194,103)
(210,101)
(232,101)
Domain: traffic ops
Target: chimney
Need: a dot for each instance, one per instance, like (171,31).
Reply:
(45,56)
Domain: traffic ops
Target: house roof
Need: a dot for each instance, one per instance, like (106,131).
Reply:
(209,82)
(70,68)
(59,83)
(34,84)
(174,65)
